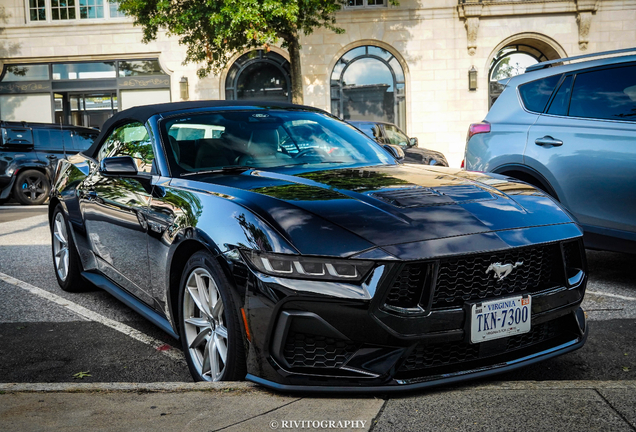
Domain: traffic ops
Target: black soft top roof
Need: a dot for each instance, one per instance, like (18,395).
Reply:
(143,113)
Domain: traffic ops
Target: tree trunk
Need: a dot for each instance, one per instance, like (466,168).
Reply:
(296,71)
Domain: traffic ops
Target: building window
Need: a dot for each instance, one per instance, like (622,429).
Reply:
(114,10)
(91,9)
(365,3)
(367,83)
(37,10)
(510,61)
(73,71)
(29,72)
(62,9)
(139,67)
(259,75)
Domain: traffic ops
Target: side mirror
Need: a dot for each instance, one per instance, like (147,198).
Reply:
(118,165)
(395,151)
(413,142)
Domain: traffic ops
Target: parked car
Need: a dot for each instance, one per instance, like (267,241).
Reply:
(321,267)
(388,133)
(29,153)
(571,131)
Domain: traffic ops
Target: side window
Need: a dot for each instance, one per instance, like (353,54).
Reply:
(83,140)
(561,101)
(130,140)
(535,94)
(50,139)
(396,136)
(370,129)
(605,94)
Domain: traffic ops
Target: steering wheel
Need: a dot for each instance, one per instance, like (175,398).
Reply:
(314,150)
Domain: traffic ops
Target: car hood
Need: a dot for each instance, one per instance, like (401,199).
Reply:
(389,204)
(423,155)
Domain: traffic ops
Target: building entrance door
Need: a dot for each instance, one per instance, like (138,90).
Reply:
(85,109)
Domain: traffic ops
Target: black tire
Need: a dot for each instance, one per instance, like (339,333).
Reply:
(69,280)
(206,330)
(31,187)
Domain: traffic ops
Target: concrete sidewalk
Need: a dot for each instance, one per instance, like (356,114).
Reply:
(519,406)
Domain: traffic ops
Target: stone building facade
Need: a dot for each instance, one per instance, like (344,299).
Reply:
(80,60)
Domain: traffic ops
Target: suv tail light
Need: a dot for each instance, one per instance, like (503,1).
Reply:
(478,128)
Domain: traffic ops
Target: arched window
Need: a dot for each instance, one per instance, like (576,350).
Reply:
(367,83)
(511,61)
(259,75)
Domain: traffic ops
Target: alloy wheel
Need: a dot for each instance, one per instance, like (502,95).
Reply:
(205,326)
(33,187)
(60,246)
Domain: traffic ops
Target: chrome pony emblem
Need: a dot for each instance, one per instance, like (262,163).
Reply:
(502,270)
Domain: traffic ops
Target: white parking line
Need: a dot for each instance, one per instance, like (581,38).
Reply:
(611,295)
(88,314)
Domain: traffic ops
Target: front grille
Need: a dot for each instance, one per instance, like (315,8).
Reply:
(407,287)
(307,350)
(426,356)
(466,278)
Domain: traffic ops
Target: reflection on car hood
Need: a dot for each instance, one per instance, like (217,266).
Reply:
(393,204)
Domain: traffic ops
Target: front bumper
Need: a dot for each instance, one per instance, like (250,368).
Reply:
(440,380)
(351,341)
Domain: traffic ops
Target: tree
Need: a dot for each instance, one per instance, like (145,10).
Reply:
(214,30)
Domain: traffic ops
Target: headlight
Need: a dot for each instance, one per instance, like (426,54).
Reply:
(298,267)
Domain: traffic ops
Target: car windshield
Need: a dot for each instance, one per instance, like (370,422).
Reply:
(265,139)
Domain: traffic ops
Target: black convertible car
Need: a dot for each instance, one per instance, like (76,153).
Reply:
(281,245)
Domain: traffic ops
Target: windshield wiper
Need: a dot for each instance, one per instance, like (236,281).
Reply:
(224,170)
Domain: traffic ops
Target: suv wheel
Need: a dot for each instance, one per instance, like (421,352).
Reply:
(31,187)
(209,322)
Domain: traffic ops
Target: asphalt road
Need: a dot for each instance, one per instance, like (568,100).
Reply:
(46,340)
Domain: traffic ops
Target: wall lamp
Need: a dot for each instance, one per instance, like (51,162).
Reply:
(183,87)
(472,79)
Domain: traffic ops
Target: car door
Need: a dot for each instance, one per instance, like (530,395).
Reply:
(585,146)
(114,209)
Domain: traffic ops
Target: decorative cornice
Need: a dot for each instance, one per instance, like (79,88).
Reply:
(585,9)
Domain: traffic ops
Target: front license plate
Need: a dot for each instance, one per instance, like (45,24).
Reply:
(500,318)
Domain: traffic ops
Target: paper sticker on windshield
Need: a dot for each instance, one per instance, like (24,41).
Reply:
(260,115)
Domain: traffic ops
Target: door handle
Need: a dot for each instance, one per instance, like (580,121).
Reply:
(548,141)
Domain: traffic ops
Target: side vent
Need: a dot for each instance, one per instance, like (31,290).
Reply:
(411,290)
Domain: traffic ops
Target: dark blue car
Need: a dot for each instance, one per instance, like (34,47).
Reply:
(281,245)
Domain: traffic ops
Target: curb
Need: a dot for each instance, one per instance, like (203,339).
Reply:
(126,387)
(232,386)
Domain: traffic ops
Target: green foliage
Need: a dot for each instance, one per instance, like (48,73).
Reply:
(213,30)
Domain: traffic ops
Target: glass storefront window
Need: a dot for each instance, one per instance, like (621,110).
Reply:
(139,67)
(72,71)
(98,102)
(262,81)
(62,9)
(510,61)
(367,83)
(26,73)
(91,9)
(259,75)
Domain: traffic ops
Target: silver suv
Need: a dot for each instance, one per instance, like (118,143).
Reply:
(571,131)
